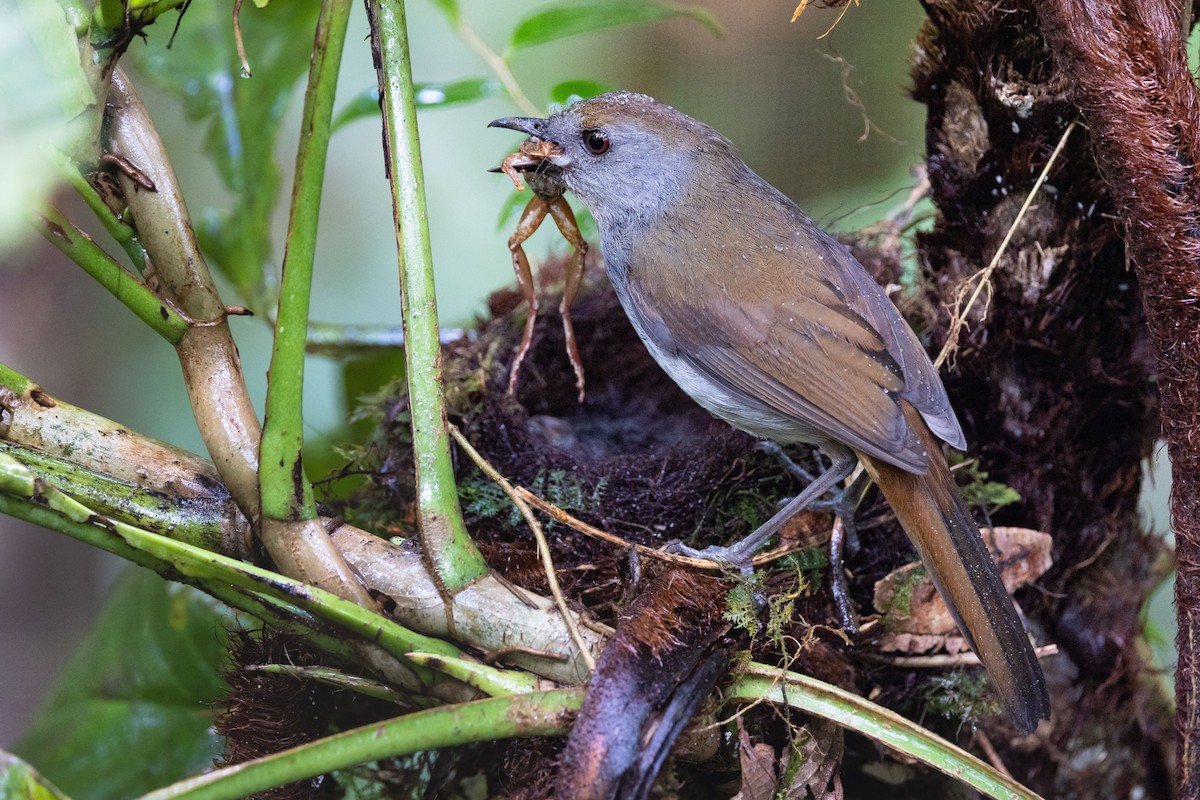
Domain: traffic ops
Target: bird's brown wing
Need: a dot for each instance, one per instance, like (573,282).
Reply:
(830,350)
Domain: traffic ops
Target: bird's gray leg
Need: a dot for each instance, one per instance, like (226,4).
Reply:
(741,555)
(775,451)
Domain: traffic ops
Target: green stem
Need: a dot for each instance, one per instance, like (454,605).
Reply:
(490,680)
(15,382)
(282,617)
(339,340)
(339,680)
(270,610)
(151,309)
(24,496)
(499,65)
(448,548)
(132,477)
(760,682)
(285,492)
(203,521)
(116,227)
(538,714)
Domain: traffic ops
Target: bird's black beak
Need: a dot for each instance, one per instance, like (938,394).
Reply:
(527,125)
(535,153)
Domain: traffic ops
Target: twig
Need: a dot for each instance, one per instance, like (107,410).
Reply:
(498,655)
(237,38)
(559,515)
(804,4)
(958,316)
(498,65)
(538,534)
(967,659)
(988,750)
(902,215)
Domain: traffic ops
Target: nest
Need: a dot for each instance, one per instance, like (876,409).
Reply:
(638,458)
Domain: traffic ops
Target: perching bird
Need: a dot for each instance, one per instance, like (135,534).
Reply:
(773,326)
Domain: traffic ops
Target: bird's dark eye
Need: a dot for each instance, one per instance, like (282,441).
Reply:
(596,141)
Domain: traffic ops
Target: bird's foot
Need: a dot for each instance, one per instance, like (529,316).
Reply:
(733,558)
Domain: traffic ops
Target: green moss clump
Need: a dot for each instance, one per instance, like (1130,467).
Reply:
(963,696)
(900,606)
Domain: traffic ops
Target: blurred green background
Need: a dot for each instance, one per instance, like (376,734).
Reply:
(773,88)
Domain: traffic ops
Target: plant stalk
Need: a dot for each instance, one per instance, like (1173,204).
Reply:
(76,245)
(447,547)
(285,490)
(538,714)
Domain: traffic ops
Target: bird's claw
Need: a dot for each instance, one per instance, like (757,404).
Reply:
(732,558)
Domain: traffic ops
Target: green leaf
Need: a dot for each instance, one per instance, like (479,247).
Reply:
(51,30)
(48,104)
(132,710)
(450,9)
(243,117)
(563,20)
(432,95)
(568,92)
(428,95)
(19,781)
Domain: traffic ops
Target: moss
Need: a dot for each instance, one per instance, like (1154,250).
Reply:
(481,497)
(899,607)
(961,696)
(741,607)
(781,614)
(811,564)
(979,492)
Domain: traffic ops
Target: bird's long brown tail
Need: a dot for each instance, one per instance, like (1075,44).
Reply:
(934,516)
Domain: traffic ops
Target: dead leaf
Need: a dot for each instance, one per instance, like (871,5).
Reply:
(758,768)
(819,745)
(918,619)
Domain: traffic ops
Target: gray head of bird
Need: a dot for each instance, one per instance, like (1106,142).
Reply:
(626,156)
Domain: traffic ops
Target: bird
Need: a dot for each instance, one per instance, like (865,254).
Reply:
(772,325)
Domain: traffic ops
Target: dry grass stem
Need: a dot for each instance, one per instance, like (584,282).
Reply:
(538,534)
(983,278)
